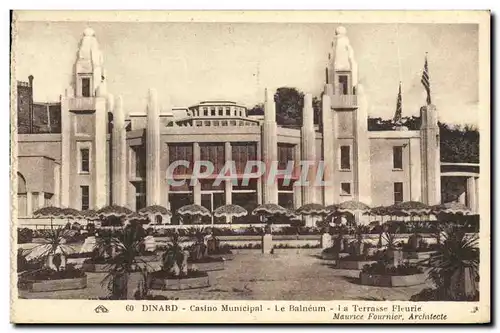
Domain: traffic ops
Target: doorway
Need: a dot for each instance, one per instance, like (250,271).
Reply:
(211,201)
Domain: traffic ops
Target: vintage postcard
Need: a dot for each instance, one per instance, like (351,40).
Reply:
(250,167)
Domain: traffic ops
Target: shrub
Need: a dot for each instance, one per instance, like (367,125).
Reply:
(24,235)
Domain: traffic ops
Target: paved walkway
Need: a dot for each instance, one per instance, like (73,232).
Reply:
(287,275)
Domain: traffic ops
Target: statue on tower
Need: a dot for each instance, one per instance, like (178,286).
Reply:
(343,55)
(90,58)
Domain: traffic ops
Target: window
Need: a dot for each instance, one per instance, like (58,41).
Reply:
(286,153)
(181,152)
(220,111)
(345,188)
(343,85)
(228,111)
(345,158)
(84,159)
(140,162)
(205,112)
(241,153)
(212,111)
(86,87)
(84,190)
(397,157)
(214,153)
(398,192)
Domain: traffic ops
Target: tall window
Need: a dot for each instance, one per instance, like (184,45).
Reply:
(84,193)
(184,152)
(345,158)
(242,152)
(343,84)
(398,192)
(86,87)
(140,162)
(397,157)
(214,153)
(286,152)
(85,160)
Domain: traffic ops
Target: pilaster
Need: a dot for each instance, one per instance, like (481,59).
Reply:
(153,193)
(328,150)
(269,149)
(101,160)
(308,138)
(119,153)
(197,187)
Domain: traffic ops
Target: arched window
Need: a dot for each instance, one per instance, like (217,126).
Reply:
(22,197)
(21,184)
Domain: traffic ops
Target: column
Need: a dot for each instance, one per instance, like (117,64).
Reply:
(471,194)
(153,193)
(430,154)
(41,200)
(119,153)
(29,204)
(197,187)
(269,148)
(328,150)
(100,160)
(308,143)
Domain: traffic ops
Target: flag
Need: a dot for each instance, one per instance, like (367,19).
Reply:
(426,81)
(399,108)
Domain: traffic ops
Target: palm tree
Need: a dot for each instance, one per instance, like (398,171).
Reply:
(52,249)
(125,260)
(455,265)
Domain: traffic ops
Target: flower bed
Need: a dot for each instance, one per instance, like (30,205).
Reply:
(49,280)
(382,275)
(167,281)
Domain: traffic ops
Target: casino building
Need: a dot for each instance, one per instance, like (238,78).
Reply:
(85,152)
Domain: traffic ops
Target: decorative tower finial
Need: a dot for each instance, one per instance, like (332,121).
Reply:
(90,61)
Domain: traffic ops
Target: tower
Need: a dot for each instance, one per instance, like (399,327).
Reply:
(84,126)
(345,127)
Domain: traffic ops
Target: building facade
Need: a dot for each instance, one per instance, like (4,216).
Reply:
(97,155)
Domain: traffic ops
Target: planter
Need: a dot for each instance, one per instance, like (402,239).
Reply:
(180,284)
(392,280)
(208,266)
(55,285)
(96,268)
(418,255)
(357,265)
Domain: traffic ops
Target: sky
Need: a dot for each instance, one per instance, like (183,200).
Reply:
(192,62)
